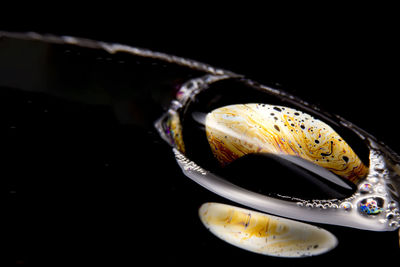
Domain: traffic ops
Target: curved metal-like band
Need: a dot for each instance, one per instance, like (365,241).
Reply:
(327,214)
(113,48)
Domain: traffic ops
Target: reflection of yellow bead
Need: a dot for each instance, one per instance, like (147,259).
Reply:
(236,130)
(265,234)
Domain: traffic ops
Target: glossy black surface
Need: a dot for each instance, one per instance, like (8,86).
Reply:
(87,178)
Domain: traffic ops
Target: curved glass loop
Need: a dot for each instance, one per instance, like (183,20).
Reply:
(374,203)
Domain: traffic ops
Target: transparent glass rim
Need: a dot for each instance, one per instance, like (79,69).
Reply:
(344,212)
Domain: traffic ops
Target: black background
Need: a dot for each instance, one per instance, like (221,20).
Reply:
(341,62)
(343,59)
(340,54)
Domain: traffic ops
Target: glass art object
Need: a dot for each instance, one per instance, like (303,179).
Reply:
(260,147)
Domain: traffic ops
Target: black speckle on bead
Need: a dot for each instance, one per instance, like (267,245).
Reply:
(346,159)
(316,141)
(296,113)
(277,128)
(277,109)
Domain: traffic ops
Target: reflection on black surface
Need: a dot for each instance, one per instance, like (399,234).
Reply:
(86,175)
(271,175)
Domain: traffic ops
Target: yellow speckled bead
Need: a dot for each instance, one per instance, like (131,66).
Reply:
(265,234)
(236,130)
